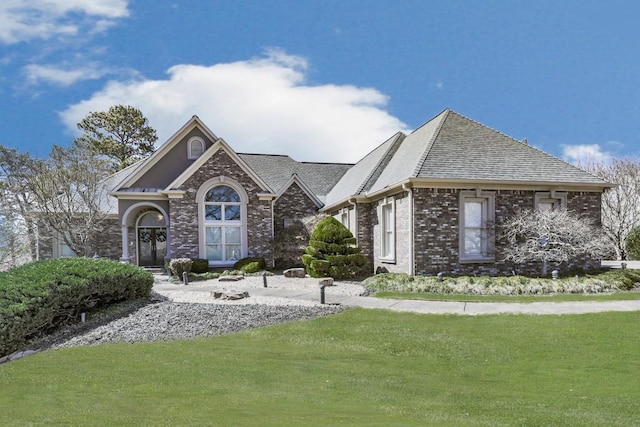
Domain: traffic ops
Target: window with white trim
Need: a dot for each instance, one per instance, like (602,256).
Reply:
(550,201)
(62,249)
(344,218)
(195,147)
(477,213)
(387,232)
(223,224)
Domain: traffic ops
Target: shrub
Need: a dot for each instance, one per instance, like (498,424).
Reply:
(632,244)
(252,267)
(199,265)
(179,266)
(331,252)
(507,285)
(258,264)
(41,296)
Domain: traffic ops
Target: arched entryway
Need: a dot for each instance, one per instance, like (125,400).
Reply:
(151,233)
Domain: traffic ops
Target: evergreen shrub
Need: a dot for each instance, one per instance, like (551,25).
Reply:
(39,297)
(199,265)
(332,252)
(250,264)
(632,244)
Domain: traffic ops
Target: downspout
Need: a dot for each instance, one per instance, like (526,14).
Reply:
(273,233)
(412,265)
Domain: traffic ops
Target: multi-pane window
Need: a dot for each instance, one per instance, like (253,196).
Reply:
(387,237)
(223,224)
(476,236)
(550,201)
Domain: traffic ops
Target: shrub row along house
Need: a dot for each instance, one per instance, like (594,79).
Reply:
(420,203)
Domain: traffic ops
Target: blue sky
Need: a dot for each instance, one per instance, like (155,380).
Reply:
(325,80)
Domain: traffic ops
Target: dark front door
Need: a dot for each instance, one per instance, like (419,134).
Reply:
(152,246)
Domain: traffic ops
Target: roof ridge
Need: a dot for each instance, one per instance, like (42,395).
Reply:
(399,138)
(327,163)
(267,155)
(425,154)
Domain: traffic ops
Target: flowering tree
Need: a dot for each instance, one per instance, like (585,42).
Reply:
(556,236)
(620,205)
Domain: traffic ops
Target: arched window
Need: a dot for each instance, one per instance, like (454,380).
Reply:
(223,225)
(195,147)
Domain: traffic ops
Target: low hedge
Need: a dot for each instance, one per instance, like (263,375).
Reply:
(41,296)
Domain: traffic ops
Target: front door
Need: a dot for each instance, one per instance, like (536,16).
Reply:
(152,246)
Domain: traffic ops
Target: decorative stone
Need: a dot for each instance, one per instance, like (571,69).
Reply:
(230,278)
(17,355)
(229,295)
(298,273)
(326,281)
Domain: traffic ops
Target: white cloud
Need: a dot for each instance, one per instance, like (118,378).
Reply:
(23,20)
(61,76)
(260,105)
(584,154)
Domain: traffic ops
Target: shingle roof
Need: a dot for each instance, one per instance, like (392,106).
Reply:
(276,170)
(453,147)
(364,174)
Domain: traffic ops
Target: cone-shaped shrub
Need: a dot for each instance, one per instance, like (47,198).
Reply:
(331,252)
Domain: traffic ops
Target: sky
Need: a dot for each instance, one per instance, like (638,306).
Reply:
(326,80)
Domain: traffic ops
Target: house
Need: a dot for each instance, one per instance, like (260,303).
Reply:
(420,203)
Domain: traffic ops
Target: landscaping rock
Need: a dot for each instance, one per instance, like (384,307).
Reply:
(15,356)
(229,295)
(171,321)
(230,278)
(326,281)
(298,273)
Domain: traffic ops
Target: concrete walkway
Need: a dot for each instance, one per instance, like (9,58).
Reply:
(201,291)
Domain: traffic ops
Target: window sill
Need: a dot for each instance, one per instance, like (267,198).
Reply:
(476,260)
(387,260)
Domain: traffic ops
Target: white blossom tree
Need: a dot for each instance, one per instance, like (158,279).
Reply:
(551,236)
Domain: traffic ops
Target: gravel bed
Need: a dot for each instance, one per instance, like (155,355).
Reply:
(175,321)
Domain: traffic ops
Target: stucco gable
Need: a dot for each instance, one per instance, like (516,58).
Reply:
(169,160)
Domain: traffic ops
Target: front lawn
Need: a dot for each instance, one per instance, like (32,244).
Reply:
(616,296)
(361,367)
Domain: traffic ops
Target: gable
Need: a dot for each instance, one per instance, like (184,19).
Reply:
(173,163)
(168,160)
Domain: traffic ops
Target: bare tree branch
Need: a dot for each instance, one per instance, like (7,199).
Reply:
(620,205)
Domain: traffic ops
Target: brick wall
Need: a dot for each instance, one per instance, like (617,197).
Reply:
(295,216)
(108,243)
(437,231)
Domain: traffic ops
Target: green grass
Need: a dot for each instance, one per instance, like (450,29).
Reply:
(617,296)
(361,367)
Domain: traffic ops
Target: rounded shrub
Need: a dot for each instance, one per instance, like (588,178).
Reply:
(199,265)
(250,264)
(332,252)
(180,265)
